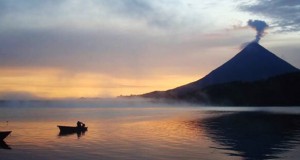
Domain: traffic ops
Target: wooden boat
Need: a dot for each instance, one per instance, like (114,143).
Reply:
(71,129)
(4,134)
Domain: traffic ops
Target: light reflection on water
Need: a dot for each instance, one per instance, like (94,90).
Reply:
(253,135)
(147,133)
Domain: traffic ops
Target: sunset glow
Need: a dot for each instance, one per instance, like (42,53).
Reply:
(51,83)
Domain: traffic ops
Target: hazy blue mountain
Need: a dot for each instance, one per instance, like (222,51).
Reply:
(251,64)
(254,62)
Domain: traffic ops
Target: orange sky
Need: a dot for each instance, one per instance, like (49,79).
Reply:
(52,83)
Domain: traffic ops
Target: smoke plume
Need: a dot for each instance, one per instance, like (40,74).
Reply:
(259,26)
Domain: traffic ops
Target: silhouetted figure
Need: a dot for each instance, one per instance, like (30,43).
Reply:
(80,124)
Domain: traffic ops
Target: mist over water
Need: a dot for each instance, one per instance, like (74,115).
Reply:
(141,129)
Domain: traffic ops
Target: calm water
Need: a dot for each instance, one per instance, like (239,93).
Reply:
(136,130)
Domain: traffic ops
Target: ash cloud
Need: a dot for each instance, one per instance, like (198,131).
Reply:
(260,27)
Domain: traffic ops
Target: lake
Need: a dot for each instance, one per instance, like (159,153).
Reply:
(135,129)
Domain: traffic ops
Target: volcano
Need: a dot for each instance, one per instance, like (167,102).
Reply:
(252,64)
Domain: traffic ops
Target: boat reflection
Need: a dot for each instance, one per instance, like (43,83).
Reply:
(79,134)
(253,135)
(3,145)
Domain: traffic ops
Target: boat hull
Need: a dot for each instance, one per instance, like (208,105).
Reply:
(71,129)
(3,145)
(4,134)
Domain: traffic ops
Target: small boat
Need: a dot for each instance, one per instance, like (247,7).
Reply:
(4,134)
(3,145)
(71,129)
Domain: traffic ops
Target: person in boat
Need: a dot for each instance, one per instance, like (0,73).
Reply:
(80,124)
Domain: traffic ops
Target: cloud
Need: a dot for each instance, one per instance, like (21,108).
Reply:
(284,13)
(111,52)
(161,14)
(157,14)
(107,52)
(141,10)
(116,38)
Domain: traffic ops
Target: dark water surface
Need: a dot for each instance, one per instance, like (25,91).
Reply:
(132,131)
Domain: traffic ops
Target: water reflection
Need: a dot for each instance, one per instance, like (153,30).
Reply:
(147,133)
(253,135)
(3,145)
(79,134)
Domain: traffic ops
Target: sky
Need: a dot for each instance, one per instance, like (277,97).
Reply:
(99,48)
